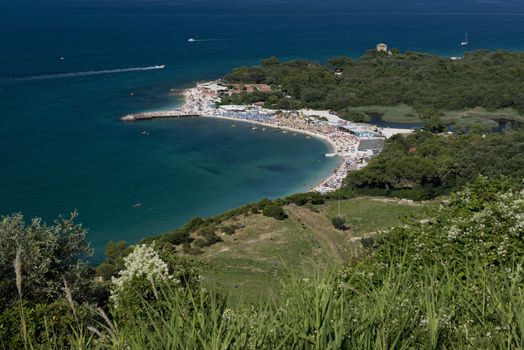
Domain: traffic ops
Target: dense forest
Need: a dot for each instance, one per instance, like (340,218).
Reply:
(487,79)
(424,165)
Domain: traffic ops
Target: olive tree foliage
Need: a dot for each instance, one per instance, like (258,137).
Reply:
(50,254)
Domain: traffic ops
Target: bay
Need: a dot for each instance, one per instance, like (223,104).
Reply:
(63,147)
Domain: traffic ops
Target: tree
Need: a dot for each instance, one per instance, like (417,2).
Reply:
(269,62)
(339,223)
(49,255)
(431,122)
(395,51)
(411,78)
(114,261)
(339,62)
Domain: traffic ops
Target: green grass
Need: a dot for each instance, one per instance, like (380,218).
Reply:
(409,309)
(481,117)
(468,117)
(369,214)
(251,263)
(395,114)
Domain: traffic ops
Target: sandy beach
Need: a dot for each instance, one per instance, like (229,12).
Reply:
(343,137)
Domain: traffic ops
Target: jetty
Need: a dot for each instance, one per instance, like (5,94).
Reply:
(159,114)
(354,143)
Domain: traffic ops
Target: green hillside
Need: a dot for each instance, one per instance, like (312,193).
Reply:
(252,262)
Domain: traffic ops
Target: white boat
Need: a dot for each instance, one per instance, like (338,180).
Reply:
(465,42)
(330,154)
(191,40)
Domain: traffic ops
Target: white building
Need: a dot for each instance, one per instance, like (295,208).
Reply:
(382,47)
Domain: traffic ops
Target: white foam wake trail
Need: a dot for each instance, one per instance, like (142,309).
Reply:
(201,40)
(82,74)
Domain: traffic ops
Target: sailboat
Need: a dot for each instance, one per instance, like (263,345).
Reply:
(465,42)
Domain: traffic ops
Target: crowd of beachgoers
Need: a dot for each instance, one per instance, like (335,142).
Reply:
(345,137)
(201,101)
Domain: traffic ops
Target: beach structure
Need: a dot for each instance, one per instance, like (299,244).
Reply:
(382,47)
(359,130)
(212,87)
(233,108)
(374,145)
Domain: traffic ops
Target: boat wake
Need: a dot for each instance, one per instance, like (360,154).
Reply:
(83,74)
(193,40)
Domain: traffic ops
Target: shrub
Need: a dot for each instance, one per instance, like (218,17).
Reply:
(50,325)
(367,242)
(187,248)
(209,237)
(49,253)
(304,198)
(144,272)
(229,229)
(339,223)
(257,207)
(200,243)
(275,212)
(177,237)
(483,220)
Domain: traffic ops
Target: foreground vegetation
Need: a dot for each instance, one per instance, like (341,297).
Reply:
(451,280)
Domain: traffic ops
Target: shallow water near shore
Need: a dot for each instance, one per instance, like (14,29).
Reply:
(150,177)
(63,147)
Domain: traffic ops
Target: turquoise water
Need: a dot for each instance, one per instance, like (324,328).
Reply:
(63,147)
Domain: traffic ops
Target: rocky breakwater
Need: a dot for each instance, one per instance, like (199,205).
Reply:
(156,115)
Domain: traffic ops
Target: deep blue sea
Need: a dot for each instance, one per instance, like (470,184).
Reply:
(62,146)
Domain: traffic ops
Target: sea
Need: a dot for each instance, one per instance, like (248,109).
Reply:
(70,68)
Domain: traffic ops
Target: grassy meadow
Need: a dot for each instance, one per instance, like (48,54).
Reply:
(468,117)
(250,264)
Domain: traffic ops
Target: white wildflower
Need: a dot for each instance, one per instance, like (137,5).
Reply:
(143,262)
